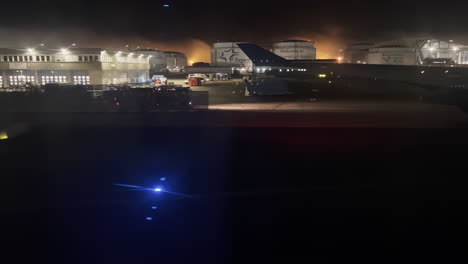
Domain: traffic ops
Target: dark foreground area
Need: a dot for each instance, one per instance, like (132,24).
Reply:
(259,194)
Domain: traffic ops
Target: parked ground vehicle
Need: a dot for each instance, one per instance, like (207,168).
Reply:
(149,99)
(201,75)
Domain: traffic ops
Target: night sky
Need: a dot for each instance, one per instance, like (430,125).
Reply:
(193,25)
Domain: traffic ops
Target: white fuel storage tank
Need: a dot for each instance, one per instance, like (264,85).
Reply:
(295,49)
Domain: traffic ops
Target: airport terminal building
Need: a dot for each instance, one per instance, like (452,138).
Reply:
(86,66)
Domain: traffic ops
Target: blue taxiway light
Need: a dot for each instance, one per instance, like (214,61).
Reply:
(154,207)
(157,189)
(149,218)
(166,5)
(163,178)
(129,186)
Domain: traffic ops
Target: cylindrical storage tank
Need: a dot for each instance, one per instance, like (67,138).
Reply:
(175,61)
(227,54)
(295,49)
(357,52)
(393,55)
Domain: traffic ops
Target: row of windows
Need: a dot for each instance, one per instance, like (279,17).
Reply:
(26,58)
(88,58)
(44,58)
(71,58)
(53,79)
(21,79)
(83,80)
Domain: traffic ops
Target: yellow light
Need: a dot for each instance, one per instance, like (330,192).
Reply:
(3,135)
(191,62)
(322,75)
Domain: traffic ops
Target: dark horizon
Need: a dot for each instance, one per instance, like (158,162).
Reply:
(191,27)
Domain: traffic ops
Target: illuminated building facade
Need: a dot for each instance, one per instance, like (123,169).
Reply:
(86,66)
(295,49)
(408,52)
(165,61)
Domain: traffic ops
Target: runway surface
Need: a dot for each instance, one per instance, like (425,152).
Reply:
(347,114)
(350,114)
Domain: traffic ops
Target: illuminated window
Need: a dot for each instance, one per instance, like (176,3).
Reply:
(21,79)
(1,81)
(53,79)
(81,80)
(13,80)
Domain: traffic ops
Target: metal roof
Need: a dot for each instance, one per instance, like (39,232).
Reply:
(294,40)
(174,52)
(50,51)
(147,50)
